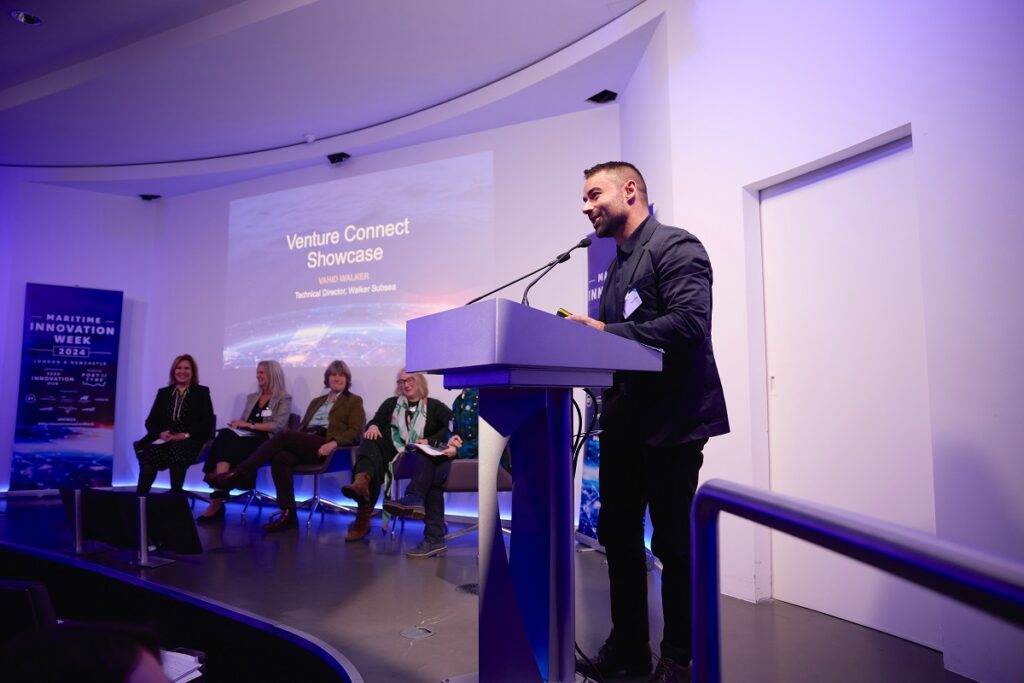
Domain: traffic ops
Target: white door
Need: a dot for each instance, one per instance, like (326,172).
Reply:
(848,386)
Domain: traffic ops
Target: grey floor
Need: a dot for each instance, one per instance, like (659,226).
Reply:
(358,597)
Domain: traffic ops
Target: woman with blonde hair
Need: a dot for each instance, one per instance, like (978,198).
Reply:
(266,413)
(405,418)
(332,420)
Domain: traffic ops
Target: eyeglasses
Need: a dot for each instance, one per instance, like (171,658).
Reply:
(407,380)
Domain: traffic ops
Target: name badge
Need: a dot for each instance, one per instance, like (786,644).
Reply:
(266,412)
(631,303)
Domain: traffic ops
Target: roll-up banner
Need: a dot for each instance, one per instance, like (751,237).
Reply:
(64,435)
(599,256)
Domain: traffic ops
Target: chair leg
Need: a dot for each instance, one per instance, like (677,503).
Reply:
(315,502)
(461,532)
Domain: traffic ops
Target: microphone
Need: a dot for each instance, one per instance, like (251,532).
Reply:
(561,258)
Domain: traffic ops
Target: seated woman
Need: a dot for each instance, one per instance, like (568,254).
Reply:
(266,413)
(424,497)
(331,420)
(405,418)
(179,423)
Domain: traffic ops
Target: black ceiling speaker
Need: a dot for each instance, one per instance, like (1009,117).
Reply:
(337,157)
(603,96)
(148,197)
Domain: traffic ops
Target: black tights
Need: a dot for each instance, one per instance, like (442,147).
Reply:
(147,475)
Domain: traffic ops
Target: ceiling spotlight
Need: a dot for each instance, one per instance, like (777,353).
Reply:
(337,157)
(309,138)
(603,96)
(23,17)
(148,197)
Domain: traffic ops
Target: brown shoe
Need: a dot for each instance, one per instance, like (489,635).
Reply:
(285,519)
(359,528)
(359,489)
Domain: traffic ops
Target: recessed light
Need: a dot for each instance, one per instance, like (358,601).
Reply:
(603,96)
(23,17)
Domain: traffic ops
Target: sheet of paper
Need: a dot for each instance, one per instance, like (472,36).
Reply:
(179,666)
(429,450)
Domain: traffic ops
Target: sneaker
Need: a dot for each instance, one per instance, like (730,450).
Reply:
(670,671)
(427,549)
(614,660)
(409,505)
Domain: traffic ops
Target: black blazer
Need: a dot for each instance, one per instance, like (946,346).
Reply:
(671,272)
(435,429)
(198,420)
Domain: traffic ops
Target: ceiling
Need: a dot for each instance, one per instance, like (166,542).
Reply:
(124,82)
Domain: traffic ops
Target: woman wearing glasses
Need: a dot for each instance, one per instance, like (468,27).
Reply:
(405,418)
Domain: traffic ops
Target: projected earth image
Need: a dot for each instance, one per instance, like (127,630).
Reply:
(50,456)
(363,335)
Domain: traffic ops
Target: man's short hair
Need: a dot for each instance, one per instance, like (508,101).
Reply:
(624,171)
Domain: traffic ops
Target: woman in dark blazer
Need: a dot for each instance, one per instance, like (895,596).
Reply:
(407,417)
(266,413)
(179,423)
(332,420)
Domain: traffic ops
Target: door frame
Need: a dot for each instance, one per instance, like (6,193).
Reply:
(760,451)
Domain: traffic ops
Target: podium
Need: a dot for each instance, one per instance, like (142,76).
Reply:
(525,363)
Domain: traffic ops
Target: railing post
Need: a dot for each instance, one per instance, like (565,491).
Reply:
(144,560)
(78,521)
(143,533)
(79,546)
(704,590)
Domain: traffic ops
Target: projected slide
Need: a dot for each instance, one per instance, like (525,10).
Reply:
(334,270)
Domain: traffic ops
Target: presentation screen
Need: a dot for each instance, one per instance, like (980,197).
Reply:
(334,270)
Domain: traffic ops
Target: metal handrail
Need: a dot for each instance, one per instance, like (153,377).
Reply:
(980,580)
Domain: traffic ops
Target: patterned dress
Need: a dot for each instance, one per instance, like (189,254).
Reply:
(177,412)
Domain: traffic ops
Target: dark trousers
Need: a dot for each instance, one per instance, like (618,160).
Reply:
(147,475)
(632,477)
(428,483)
(284,451)
(372,458)
(231,448)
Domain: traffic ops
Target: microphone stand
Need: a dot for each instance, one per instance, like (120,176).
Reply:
(509,284)
(561,258)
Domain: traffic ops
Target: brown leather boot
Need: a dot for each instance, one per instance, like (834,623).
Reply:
(359,528)
(359,489)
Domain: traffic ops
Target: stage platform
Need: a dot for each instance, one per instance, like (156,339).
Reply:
(355,600)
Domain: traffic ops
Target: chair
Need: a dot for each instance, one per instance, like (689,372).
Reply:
(26,607)
(402,467)
(324,467)
(463,477)
(254,494)
(201,454)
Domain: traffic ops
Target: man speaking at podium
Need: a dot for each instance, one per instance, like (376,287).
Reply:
(655,425)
